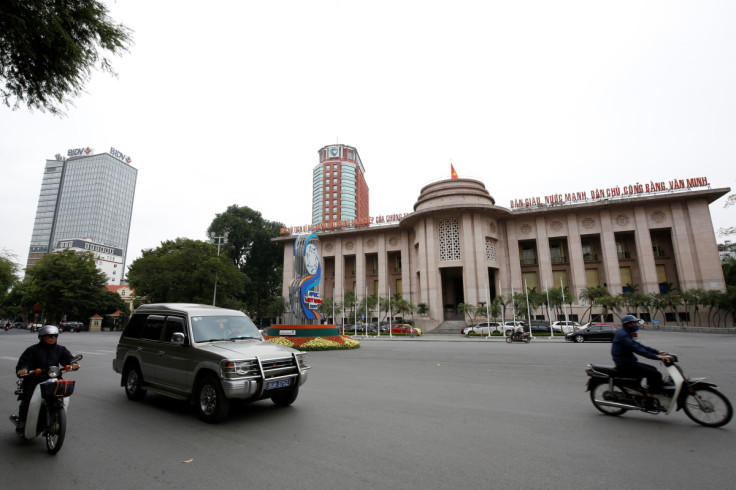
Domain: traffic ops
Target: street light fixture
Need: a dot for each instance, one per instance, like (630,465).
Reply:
(220,240)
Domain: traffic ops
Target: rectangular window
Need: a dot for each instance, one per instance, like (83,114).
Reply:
(558,276)
(661,274)
(625,278)
(399,288)
(591,278)
(529,280)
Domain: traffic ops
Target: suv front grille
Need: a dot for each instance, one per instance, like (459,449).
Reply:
(273,368)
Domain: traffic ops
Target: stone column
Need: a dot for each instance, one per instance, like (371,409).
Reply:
(644,253)
(681,232)
(577,263)
(382,266)
(545,259)
(469,259)
(610,254)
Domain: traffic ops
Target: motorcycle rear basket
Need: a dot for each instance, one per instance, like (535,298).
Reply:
(62,387)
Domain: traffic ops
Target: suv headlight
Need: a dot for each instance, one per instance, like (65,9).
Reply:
(301,358)
(239,369)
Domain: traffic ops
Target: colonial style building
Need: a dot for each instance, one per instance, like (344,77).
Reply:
(459,246)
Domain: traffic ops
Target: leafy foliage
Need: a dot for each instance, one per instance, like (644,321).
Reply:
(251,249)
(66,283)
(49,48)
(8,275)
(183,271)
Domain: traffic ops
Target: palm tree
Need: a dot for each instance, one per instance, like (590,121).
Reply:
(611,303)
(592,295)
(467,309)
(423,309)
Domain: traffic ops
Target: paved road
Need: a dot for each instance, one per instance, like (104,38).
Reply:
(414,413)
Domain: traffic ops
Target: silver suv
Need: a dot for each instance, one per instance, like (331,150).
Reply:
(206,355)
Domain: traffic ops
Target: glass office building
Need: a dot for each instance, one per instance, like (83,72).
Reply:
(87,197)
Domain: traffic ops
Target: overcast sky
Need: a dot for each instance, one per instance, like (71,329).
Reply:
(228,102)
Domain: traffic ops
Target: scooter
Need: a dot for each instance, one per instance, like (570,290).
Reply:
(524,337)
(702,402)
(47,409)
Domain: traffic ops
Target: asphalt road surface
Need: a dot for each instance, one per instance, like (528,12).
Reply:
(416,413)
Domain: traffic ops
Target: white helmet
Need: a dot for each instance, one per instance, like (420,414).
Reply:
(48,330)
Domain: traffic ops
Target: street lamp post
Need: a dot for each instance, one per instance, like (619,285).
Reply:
(220,240)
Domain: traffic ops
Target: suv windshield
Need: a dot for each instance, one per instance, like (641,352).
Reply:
(214,328)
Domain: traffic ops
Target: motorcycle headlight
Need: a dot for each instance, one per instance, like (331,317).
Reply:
(54,372)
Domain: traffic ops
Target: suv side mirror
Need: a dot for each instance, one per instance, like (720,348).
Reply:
(177,338)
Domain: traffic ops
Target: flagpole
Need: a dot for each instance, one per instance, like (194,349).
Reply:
(564,306)
(551,332)
(528,312)
(390,319)
(503,310)
(488,313)
(378,323)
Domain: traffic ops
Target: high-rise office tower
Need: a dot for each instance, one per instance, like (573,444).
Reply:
(86,199)
(339,191)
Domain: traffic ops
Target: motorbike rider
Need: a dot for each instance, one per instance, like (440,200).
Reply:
(518,332)
(46,353)
(622,351)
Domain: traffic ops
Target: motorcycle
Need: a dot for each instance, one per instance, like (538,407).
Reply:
(702,402)
(48,406)
(514,337)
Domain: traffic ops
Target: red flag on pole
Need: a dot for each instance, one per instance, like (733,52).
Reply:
(454,174)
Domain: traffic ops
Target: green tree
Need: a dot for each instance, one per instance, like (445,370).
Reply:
(731,230)
(423,309)
(8,275)
(183,271)
(592,296)
(48,50)
(66,283)
(250,247)
(467,310)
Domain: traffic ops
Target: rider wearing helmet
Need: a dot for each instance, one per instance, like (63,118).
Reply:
(622,350)
(43,355)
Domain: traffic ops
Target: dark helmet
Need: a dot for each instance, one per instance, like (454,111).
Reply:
(48,330)
(629,318)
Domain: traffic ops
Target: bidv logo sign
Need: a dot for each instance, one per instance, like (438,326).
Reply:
(76,152)
(120,155)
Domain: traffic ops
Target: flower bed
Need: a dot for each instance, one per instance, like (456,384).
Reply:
(338,342)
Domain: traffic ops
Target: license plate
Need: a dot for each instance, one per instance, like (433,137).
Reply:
(271,385)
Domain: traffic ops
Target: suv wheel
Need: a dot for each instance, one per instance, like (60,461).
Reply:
(286,399)
(211,402)
(133,381)
(579,339)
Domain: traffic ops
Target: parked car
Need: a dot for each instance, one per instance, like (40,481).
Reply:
(537,328)
(34,327)
(565,326)
(404,329)
(71,327)
(482,328)
(511,325)
(601,332)
(206,355)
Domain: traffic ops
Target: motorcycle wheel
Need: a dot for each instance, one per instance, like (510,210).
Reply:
(599,392)
(527,340)
(508,340)
(56,431)
(708,406)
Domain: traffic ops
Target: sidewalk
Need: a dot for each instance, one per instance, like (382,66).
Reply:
(446,338)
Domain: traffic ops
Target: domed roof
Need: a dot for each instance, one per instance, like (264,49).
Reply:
(455,193)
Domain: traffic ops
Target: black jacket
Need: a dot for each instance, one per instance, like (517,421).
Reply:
(43,356)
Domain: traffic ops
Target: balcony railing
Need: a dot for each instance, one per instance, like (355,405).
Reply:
(559,260)
(590,257)
(624,255)
(528,261)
